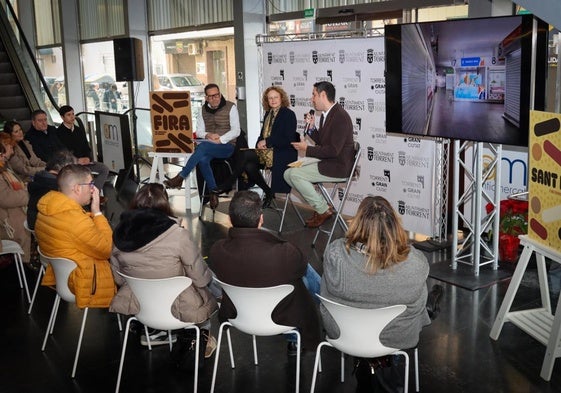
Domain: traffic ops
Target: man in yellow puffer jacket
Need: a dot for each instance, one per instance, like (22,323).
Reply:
(64,229)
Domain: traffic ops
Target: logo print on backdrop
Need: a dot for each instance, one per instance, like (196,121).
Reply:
(281,73)
(401,207)
(370,102)
(292,100)
(387,174)
(401,157)
(370,151)
(291,57)
(270,57)
(358,122)
(341,56)
(340,193)
(110,132)
(305,74)
(330,75)
(358,74)
(421,179)
(342,102)
(315,56)
(370,55)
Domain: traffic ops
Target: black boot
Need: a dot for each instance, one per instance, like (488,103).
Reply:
(433,301)
(174,182)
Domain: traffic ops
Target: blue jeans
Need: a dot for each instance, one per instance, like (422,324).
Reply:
(312,281)
(203,155)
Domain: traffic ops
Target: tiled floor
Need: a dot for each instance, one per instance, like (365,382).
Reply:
(456,353)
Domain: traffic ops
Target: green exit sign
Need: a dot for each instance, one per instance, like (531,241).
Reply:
(309,13)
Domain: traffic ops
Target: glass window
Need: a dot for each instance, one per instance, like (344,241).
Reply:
(100,19)
(47,22)
(173,14)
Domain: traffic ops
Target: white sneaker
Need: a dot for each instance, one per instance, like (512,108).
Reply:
(157,338)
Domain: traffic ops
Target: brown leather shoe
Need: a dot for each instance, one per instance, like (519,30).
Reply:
(320,219)
(213,200)
(312,218)
(174,182)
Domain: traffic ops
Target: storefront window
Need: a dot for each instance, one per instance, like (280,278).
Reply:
(52,67)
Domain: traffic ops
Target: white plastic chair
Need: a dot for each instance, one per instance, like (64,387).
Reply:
(156,297)
(44,262)
(62,268)
(330,198)
(360,336)
(12,247)
(254,307)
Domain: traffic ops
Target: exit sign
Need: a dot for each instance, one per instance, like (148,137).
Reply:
(309,13)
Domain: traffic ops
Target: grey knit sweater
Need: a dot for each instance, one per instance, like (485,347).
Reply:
(345,281)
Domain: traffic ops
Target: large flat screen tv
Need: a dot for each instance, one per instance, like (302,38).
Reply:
(469,79)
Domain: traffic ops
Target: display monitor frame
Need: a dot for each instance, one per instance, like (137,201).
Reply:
(439,74)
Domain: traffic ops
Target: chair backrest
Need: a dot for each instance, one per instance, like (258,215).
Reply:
(156,295)
(62,268)
(254,307)
(360,328)
(26,226)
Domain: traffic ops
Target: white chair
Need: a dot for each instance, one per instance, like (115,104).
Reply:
(12,247)
(330,198)
(62,268)
(156,297)
(44,263)
(254,307)
(360,336)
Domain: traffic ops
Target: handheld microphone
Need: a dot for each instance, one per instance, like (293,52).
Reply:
(307,126)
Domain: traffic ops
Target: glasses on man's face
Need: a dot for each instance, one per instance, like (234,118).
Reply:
(91,184)
(214,96)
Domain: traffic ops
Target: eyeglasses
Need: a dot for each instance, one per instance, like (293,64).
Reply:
(91,184)
(217,95)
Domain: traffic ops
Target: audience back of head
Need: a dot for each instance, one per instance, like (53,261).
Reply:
(245,209)
(152,196)
(71,175)
(59,160)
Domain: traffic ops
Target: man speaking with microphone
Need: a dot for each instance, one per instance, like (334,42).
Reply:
(333,147)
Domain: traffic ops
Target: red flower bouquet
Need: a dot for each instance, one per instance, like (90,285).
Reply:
(513,221)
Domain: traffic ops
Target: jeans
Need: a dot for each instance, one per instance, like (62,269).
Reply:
(204,153)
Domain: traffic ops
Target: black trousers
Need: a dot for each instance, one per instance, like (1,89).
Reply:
(248,162)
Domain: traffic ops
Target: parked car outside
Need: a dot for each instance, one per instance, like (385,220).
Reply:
(183,82)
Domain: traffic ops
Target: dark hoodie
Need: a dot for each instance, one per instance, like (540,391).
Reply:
(42,183)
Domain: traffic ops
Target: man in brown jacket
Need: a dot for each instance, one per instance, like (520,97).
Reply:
(333,147)
(252,257)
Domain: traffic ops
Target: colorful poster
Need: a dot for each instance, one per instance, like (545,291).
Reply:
(544,191)
(172,129)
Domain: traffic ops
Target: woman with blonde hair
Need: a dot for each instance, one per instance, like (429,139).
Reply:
(373,266)
(273,149)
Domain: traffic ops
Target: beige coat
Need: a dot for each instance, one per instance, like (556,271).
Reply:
(12,212)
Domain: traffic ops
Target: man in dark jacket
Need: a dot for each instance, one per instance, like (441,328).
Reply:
(42,136)
(264,261)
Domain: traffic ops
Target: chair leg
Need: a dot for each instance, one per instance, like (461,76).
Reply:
(298,355)
(119,322)
(197,349)
(406,379)
(255,360)
(127,328)
(147,337)
(55,315)
(39,277)
(317,365)
(80,341)
(217,354)
(342,367)
(202,201)
(284,212)
(230,350)
(53,311)
(416,354)
(21,275)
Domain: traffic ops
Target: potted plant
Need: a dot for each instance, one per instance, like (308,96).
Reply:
(513,221)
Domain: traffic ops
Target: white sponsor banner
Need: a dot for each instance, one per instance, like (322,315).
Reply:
(400,168)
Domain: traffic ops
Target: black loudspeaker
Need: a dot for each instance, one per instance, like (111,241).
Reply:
(129,63)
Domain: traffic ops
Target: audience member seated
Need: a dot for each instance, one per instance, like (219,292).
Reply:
(373,266)
(24,162)
(13,200)
(42,136)
(74,139)
(254,258)
(46,181)
(273,148)
(64,229)
(149,243)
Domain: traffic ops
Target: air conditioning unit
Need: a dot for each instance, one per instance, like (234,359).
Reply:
(193,49)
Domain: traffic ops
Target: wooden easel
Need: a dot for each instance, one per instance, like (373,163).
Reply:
(539,323)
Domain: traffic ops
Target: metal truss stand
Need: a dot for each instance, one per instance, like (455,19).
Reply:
(469,204)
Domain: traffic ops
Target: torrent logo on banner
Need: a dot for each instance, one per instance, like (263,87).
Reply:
(358,122)
(342,102)
(370,102)
(421,179)
(401,157)
(270,57)
(315,56)
(370,56)
(358,74)
(370,151)
(387,174)
(292,100)
(341,56)
(291,57)
(401,207)
(330,75)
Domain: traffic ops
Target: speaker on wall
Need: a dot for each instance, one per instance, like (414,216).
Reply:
(129,63)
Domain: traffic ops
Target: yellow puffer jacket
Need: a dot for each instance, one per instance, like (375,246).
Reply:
(64,229)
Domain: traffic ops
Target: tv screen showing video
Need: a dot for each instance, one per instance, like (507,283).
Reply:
(468,79)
